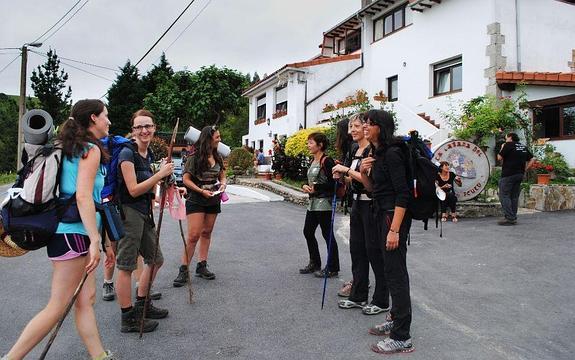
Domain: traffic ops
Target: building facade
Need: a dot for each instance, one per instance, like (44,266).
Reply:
(426,56)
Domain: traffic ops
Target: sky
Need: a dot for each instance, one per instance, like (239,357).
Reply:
(246,35)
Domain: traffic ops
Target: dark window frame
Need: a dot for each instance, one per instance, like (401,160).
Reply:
(390,81)
(560,107)
(355,33)
(282,106)
(264,105)
(391,14)
(440,68)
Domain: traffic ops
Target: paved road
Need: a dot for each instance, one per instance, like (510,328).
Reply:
(480,292)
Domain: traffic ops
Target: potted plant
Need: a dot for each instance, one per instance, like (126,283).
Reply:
(380,96)
(543,172)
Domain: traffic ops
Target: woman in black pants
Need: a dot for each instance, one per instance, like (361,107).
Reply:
(320,188)
(446,180)
(363,244)
(385,175)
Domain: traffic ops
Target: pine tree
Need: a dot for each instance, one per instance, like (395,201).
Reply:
(125,97)
(48,83)
(256,78)
(157,75)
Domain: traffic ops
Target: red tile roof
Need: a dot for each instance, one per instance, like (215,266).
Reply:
(536,78)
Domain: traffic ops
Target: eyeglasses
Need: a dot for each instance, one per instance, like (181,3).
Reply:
(148,127)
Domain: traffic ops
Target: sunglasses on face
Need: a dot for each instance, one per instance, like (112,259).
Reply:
(148,127)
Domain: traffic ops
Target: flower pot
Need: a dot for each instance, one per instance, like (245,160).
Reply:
(278,176)
(543,179)
(268,176)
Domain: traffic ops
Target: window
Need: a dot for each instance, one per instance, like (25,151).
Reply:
(281,98)
(246,142)
(353,42)
(388,23)
(447,76)
(253,144)
(261,147)
(261,107)
(555,121)
(392,88)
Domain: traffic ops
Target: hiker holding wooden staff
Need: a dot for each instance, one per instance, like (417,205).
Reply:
(75,248)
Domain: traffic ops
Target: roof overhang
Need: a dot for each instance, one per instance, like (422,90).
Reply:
(352,23)
(507,80)
(376,7)
(422,5)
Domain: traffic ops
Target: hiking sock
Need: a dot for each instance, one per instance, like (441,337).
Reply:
(127,309)
(140,298)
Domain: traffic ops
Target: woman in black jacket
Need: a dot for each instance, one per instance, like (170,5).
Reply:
(320,188)
(385,175)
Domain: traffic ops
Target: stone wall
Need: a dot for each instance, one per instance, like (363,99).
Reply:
(551,197)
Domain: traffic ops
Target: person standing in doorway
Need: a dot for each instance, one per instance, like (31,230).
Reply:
(516,159)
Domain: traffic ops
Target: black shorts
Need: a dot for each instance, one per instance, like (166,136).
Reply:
(67,246)
(193,208)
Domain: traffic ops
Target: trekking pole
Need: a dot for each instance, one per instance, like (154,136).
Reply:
(333,206)
(163,191)
(61,321)
(190,290)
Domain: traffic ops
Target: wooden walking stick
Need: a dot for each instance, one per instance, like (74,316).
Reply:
(61,321)
(190,290)
(163,192)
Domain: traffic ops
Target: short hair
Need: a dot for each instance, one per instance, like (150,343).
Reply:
(319,139)
(513,136)
(443,163)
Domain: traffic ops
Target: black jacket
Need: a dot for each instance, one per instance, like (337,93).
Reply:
(389,175)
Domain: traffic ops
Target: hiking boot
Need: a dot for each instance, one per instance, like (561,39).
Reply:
(309,269)
(373,309)
(154,295)
(131,321)
(390,346)
(182,277)
(382,329)
(108,292)
(203,272)
(322,273)
(506,222)
(152,312)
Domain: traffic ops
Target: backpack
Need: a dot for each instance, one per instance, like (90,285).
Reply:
(33,209)
(341,190)
(113,144)
(422,173)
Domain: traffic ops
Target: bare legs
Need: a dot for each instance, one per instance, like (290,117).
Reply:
(200,226)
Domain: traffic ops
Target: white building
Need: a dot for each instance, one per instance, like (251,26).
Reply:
(424,55)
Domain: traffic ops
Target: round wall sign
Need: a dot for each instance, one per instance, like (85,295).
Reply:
(467,161)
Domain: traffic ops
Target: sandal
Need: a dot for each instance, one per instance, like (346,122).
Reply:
(345,289)
(454,219)
(444,218)
(372,309)
(348,304)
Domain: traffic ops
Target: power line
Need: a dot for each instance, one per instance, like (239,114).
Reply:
(164,34)
(77,68)
(53,26)
(10,63)
(65,22)
(190,24)
(78,61)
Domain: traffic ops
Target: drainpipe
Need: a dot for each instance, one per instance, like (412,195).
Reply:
(517,36)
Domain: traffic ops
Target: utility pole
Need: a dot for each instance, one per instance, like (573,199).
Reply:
(21,106)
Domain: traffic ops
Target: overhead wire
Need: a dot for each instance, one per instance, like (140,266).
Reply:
(77,68)
(57,22)
(190,24)
(65,22)
(77,61)
(10,63)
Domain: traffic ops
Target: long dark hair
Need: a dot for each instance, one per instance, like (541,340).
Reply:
(74,133)
(204,149)
(343,139)
(386,125)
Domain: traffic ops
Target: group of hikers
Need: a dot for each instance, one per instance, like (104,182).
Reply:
(75,248)
(372,163)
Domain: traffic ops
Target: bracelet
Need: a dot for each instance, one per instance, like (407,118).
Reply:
(347,172)
(393,231)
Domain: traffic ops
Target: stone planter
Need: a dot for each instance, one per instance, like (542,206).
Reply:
(551,197)
(543,179)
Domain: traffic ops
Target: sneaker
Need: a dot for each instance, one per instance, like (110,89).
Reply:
(348,304)
(382,329)
(182,277)
(345,289)
(131,321)
(152,312)
(309,269)
(322,273)
(203,272)
(107,355)
(506,222)
(108,292)
(390,346)
(373,309)
(154,295)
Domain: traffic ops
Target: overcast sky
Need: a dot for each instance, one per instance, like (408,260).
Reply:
(247,35)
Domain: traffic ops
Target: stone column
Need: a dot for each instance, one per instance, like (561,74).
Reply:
(496,60)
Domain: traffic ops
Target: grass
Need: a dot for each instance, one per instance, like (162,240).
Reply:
(8,178)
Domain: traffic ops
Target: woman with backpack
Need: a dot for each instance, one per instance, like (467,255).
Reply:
(75,248)
(205,179)
(320,188)
(386,176)
(136,183)
(363,245)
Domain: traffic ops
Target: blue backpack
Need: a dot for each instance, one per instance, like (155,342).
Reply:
(113,144)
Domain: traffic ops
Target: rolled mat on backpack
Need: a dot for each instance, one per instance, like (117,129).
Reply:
(193,134)
(7,246)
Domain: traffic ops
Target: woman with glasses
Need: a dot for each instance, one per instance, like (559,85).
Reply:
(136,182)
(385,175)
(205,179)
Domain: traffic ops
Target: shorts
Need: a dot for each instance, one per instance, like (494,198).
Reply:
(193,208)
(67,246)
(140,239)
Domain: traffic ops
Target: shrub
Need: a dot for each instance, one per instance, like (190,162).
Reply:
(159,148)
(241,159)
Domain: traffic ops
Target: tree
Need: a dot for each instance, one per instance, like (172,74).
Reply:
(236,126)
(256,78)
(48,83)
(165,103)
(125,96)
(9,126)
(157,75)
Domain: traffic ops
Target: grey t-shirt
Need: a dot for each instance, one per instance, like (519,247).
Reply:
(205,180)
(143,172)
